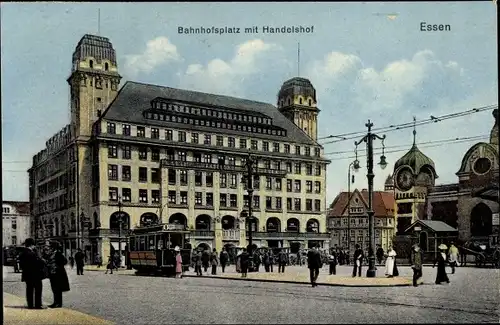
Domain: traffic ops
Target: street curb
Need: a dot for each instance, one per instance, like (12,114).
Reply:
(298,282)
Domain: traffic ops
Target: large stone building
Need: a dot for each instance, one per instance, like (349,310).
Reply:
(152,154)
(15,222)
(471,204)
(348,219)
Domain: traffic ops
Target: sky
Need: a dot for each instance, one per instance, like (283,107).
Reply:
(366,61)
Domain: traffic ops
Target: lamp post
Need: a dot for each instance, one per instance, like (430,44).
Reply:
(250,174)
(353,165)
(83,223)
(120,228)
(368,139)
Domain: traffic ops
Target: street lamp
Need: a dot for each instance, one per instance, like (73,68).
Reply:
(250,174)
(353,165)
(368,139)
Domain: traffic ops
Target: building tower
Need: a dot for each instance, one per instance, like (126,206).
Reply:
(414,174)
(297,101)
(389,184)
(93,82)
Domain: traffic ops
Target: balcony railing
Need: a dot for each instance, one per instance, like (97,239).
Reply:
(290,235)
(231,234)
(202,234)
(211,166)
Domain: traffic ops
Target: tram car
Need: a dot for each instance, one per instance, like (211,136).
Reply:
(152,248)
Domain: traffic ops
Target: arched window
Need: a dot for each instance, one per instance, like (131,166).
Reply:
(178,219)
(312,225)
(91,64)
(273,225)
(203,222)
(148,219)
(116,218)
(228,223)
(481,220)
(106,66)
(293,225)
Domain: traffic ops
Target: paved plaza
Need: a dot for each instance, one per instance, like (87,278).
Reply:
(123,298)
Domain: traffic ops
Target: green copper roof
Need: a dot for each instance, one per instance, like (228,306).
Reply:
(414,159)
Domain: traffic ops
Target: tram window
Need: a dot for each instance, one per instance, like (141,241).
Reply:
(151,243)
(160,244)
(132,243)
(142,243)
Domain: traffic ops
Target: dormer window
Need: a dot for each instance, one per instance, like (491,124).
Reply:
(106,66)
(91,64)
(300,101)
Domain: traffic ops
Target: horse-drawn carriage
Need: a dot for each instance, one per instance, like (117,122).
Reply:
(484,255)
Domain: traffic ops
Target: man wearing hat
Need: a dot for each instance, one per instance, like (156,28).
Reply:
(32,267)
(416,260)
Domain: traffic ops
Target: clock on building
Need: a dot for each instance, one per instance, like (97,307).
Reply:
(404,180)
(482,166)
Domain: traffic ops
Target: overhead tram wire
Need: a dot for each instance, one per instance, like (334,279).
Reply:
(397,127)
(405,150)
(471,138)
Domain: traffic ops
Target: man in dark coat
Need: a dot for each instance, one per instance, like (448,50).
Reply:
(223,258)
(416,261)
(282,259)
(205,258)
(357,261)
(314,264)
(332,261)
(244,257)
(79,261)
(32,267)
(380,254)
(57,275)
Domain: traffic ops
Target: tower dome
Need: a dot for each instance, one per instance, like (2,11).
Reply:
(494,130)
(415,159)
(295,87)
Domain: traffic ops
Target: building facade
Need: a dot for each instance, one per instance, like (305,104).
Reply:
(15,223)
(348,219)
(151,154)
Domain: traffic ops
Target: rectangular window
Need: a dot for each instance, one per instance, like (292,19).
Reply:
(289,185)
(141,133)
(220,140)
(208,139)
(309,205)
(143,174)
(209,179)
(183,177)
(198,198)
(309,169)
(223,180)
(289,167)
(155,154)
(111,128)
(317,187)
(231,142)
(269,202)
(298,169)
(126,174)
(209,197)
(297,204)
(231,161)
(243,143)
(289,203)
(287,148)
(233,200)
(254,145)
(278,203)
(269,183)
(184,197)
(318,170)
(276,147)
(143,153)
(112,172)
(308,151)
(172,177)
(126,194)
(126,152)
(143,196)
(198,178)
(277,165)
(113,193)
(317,152)
(207,158)
(155,175)
(267,164)
(265,146)
(223,200)
(155,196)
(172,197)
(181,136)
(233,181)
(126,129)
(196,157)
(297,185)
(297,150)
(195,138)
(256,202)
(309,186)
(112,151)
(181,155)
(278,184)
(169,135)
(155,133)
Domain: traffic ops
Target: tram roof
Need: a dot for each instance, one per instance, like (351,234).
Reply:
(164,227)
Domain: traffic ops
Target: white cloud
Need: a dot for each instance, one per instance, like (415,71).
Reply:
(158,51)
(222,77)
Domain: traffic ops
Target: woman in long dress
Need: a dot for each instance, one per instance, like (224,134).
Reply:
(57,274)
(441,275)
(390,262)
(178,262)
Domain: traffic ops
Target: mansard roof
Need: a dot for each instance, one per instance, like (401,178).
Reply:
(134,98)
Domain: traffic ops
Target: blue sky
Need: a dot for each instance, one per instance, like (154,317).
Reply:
(362,63)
